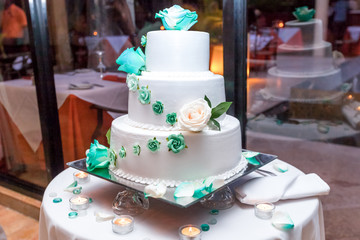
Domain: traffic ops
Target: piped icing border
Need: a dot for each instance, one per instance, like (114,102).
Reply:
(240,167)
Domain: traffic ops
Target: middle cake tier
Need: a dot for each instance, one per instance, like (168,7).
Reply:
(172,91)
(150,155)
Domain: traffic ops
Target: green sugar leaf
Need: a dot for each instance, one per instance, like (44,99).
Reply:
(216,124)
(208,101)
(220,109)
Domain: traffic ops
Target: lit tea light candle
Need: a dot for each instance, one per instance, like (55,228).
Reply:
(123,224)
(79,203)
(190,232)
(81,177)
(264,210)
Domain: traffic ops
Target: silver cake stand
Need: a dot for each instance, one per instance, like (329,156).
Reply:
(132,199)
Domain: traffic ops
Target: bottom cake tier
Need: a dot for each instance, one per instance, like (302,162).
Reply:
(146,156)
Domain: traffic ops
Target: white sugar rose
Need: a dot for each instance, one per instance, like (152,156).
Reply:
(194,116)
(132,82)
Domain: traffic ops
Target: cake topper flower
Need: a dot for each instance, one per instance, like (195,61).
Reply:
(98,156)
(304,14)
(177,18)
(132,61)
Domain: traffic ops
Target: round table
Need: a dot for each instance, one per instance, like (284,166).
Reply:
(162,220)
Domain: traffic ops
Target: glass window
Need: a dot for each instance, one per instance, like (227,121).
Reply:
(21,149)
(303,92)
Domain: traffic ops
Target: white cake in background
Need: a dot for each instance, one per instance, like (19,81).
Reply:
(306,61)
(177,73)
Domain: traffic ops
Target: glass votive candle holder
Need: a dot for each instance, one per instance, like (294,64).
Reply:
(78,203)
(81,177)
(264,210)
(190,232)
(123,224)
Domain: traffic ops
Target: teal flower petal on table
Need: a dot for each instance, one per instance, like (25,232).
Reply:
(177,18)
(281,220)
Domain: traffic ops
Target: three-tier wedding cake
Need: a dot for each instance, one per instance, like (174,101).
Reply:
(176,129)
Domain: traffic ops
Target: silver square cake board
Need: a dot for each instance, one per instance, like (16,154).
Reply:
(169,198)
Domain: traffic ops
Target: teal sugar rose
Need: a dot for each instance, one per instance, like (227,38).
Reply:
(122,152)
(153,145)
(132,82)
(136,149)
(176,143)
(158,108)
(171,118)
(143,40)
(132,61)
(304,14)
(98,156)
(177,18)
(144,95)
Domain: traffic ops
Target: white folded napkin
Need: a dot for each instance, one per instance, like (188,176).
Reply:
(272,189)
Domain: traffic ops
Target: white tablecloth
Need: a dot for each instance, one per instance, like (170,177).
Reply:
(19,99)
(162,220)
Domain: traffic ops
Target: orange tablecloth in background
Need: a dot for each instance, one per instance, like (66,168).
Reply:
(77,123)
(350,47)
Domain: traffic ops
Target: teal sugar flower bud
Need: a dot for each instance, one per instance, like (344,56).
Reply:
(171,118)
(122,152)
(177,18)
(176,143)
(304,14)
(132,61)
(158,108)
(98,156)
(136,149)
(153,145)
(132,82)
(144,95)
(143,40)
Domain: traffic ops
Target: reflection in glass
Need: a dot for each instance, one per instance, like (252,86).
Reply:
(21,151)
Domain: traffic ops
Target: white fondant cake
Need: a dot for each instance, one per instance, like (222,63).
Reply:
(146,140)
(304,62)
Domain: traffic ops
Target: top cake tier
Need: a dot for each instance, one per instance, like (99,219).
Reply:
(311,33)
(177,51)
